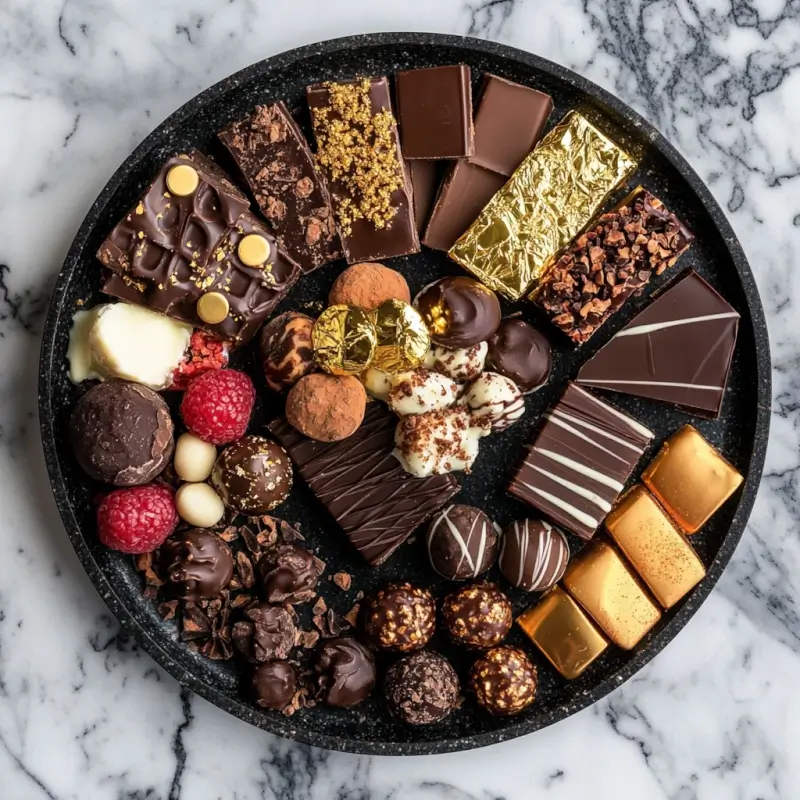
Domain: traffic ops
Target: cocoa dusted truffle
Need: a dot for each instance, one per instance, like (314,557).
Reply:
(326,407)
(421,688)
(462,542)
(121,433)
(519,352)
(199,564)
(253,475)
(345,671)
(477,616)
(400,617)
(367,286)
(286,352)
(289,574)
(504,681)
(267,634)
(273,685)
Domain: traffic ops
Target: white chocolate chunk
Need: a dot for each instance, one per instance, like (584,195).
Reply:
(82,366)
(194,458)
(420,392)
(199,505)
(495,399)
(462,364)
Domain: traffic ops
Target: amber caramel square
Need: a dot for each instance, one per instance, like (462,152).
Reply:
(559,628)
(658,551)
(690,479)
(601,582)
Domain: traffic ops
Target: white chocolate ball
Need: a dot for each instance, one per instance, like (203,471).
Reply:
(462,364)
(377,383)
(495,399)
(194,458)
(421,391)
(199,505)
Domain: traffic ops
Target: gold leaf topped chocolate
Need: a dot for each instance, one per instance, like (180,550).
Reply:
(344,340)
(403,339)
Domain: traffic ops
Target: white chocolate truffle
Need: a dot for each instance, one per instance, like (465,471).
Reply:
(438,442)
(421,391)
(495,399)
(136,344)
(194,458)
(377,383)
(82,365)
(463,364)
(199,505)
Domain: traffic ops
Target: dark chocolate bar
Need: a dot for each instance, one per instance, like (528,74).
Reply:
(579,461)
(170,249)
(270,150)
(376,503)
(358,153)
(425,181)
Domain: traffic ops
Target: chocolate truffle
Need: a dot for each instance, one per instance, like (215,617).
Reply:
(286,352)
(400,617)
(326,407)
(495,400)
(459,311)
(121,433)
(273,685)
(253,475)
(289,574)
(477,616)
(462,364)
(345,671)
(519,352)
(368,285)
(421,688)
(462,542)
(199,564)
(267,634)
(533,555)
(504,681)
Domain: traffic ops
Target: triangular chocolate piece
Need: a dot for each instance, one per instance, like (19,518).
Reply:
(677,350)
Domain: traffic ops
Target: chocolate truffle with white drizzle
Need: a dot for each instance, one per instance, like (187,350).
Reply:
(462,542)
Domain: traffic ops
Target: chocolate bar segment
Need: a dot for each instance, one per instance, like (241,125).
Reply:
(270,150)
(425,182)
(607,264)
(173,248)
(434,108)
(358,153)
(359,481)
(678,350)
(579,461)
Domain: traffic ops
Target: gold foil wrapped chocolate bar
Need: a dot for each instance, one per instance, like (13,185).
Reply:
(551,197)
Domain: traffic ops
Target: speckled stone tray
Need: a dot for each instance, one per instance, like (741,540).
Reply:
(740,432)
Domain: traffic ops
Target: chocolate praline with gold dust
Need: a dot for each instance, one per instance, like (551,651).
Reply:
(477,616)
(503,681)
(400,617)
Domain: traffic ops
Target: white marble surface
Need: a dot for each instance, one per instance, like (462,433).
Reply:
(84,714)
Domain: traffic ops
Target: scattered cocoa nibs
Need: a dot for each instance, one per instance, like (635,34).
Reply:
(168,609)
(307,639)
(241,601)
(336,623)
(320,607)
(250,540)
(359,595)
(244,569)
(150,592)
(343,580)
(230,534)
(352,615)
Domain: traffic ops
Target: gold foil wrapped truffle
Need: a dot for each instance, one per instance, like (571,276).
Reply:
(403,338)
(344,340)
(551,197)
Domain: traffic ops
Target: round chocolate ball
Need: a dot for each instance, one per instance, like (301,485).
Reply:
(533,555)
(462,542)
(345,671)
(519,352)
(121,433)
(459,311)
(477,616)
(267,633)
(286,352)
(289,574)
(400,617)
(494,400)
(421,688)
(253,475)
(273,685)
(503,681)
(199,564)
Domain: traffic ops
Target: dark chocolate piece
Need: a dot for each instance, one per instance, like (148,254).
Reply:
(533,555)
(121,433)
(286,351)
(508,124)
(421,688)
(276,161)
(477,616)
(399,617)
(171,249)
(607,264)
(358,153)
(345,671)
(267,634)
(289,574)
(504,681)
(199,564)
(678,350)
(434,108)
(520,352)
(377,504)
(425,176)
(462,542)
(273,685)
(579,461)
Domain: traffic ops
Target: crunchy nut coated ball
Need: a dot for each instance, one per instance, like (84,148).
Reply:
(367,286)
(477,616)
(267,633)
(503,681)
(326,407)
(286,351)
(400,617)
(289,574)
(421,688)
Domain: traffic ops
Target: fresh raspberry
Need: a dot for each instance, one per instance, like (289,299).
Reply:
(205,353)
(138,519)
(217,405)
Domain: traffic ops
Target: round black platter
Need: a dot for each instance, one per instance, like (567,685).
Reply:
(740,432)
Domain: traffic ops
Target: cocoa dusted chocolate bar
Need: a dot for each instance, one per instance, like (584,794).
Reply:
(274,157)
